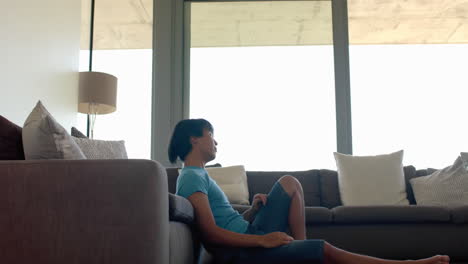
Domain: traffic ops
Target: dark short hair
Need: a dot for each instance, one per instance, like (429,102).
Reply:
(180,146)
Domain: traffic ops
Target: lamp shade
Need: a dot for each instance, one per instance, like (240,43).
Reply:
(99,90)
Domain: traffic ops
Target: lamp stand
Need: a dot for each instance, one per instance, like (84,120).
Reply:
(90,66)
(87,125)
(92,113)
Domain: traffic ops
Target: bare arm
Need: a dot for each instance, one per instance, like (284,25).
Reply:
(217,235)
(249,215)
(259,200)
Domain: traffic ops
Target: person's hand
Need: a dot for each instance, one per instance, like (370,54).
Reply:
(275,239)
(259,200)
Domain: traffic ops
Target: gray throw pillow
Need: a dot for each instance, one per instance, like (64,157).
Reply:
(102,149)
(76,133)
(45,138)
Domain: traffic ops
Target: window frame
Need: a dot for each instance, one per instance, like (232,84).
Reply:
(171,72)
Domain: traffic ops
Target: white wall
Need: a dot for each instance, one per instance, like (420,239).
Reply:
(39,55)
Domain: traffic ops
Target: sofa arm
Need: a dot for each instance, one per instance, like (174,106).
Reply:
(180,209)
(83,211)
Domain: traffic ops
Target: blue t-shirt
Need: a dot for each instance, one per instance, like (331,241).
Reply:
(195,179)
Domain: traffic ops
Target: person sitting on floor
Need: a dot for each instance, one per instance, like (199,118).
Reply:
(258,235)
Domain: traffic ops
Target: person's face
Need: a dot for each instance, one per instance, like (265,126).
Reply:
(206,145)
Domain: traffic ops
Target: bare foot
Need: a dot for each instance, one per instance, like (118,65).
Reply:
(438,259)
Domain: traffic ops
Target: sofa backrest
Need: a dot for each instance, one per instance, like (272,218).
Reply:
(320,186)
(172,174)
(263,181)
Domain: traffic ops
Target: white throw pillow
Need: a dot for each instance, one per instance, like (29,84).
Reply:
(445,187)
(233,181)
(371,180)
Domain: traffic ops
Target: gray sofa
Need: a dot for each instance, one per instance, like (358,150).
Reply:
(84,211)
(397,232)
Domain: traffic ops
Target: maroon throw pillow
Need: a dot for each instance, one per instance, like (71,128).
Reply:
(11,142)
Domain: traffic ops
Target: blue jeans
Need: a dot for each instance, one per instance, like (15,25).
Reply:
(273,217)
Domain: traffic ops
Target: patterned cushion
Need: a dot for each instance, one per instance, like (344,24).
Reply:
(446,187)
(45,138)
(102,149)
(11,143)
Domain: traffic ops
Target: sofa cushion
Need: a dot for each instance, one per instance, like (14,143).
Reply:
(181,243)
(263,181)
(330,195)
(180,209)
(446,187)
(371,180)
(318,215)
(102,149)
(172,174)
(459,214)
(77,133)
(390,214)
(233,181)
(11,143)
(44,138)
(409,188)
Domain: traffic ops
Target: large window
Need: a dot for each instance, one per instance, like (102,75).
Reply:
(122,47)
(408,79)
(262,74)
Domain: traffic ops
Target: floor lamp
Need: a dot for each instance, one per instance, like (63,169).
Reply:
(97,92)
(97,95)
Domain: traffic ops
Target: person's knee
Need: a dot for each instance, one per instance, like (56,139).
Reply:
(327,251)
(290,184)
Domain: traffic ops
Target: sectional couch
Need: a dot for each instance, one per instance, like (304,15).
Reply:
(84,211)
(397,232)
(119,211)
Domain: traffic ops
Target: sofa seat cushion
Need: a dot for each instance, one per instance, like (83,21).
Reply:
(460,214)
(313,214)
(180,209)
(318,215)
(390,214)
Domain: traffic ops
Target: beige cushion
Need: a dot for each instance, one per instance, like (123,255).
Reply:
(233,181)
(371,180)
(45,138)
(102,149)
(446,187)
